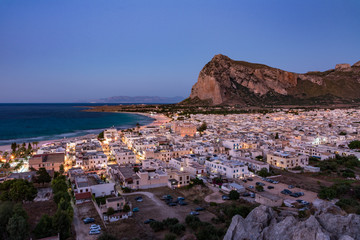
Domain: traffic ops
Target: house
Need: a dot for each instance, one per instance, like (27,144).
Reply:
(177,178)
(49,161)
(82,197)
(227,168)
(184,129)
(285,160)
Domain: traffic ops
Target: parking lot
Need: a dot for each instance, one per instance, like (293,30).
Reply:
(308,195)
(82,211)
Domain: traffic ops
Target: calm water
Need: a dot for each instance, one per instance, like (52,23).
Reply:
(38,122)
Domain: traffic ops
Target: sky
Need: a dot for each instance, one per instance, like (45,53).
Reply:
(81,50)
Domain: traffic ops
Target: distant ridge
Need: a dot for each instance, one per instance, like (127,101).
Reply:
(224,81)
(139,99)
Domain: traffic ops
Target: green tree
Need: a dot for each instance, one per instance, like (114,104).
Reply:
(234,195)
(106,236)
(59,184)
(17,228)
(17,190)
(259,188)
(157,226)
(126,208)
(45,227)
(61,169)
(327,193)
(202,127)
(61,195)
(277,136)
(62,223)
(110,211)
(170,236)
(170,221)
(42,176)
(354,144)
(101,136)
(13,147)
(263,172)
(178,228)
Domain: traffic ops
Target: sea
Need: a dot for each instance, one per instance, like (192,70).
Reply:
(30,122)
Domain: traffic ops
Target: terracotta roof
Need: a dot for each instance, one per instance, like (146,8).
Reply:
(81,196)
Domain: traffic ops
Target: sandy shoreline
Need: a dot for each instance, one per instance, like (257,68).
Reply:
(159,119)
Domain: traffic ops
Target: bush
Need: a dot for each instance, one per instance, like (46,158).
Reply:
(209,232)
(178,229)
(232,210)
(263,173)
(213,204)
(170,221)
(234,195)
(259,188)
(110,211)
(126,208)
(354,144)
(157,226)
(192,221)
(327,193)
(170,236)
(106,236)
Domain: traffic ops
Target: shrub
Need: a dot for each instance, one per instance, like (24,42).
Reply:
(170,236)
(126,208)
(234,195)
(170,221)
(213,204)
(192,221)
(178,229)
(157,226)
(110,211)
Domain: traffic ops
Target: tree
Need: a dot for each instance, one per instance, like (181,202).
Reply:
(126,208)
(61,169)
(136,169)
(202,127)
(259,188)
(170,221)
(354,144)
(263,173)
(17,227)
(178,228)
(110,211)
(59,184)
(62,223)
(101,135)
(106,236)
(277,136)
(17,190)
(13,147)
(234,195)
(61,195)
(327,193)
(29,147)
(42,176)
(157,226)
(45,227)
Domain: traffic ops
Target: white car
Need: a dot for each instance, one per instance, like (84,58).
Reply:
(94,232)
(95,227)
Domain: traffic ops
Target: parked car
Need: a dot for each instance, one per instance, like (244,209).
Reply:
(246,194)
(194,213)
(183,203)
(149,221)
(94,232)
(88,220)
(286,191)
(252,187)
(166,197)
(301,193)
(291,186)
(294,195)
(244,180)
(225,197)
(172,204)
(252,195)
(199,209)
(250,179)
(270,187)
(260,184)
(95,227)
(136,209)
(275,182)
(181,198)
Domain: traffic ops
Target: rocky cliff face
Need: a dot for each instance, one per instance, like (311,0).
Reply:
(264,223)
(225,81)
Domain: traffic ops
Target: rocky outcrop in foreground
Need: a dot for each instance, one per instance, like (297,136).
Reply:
(224,81)
(266,224)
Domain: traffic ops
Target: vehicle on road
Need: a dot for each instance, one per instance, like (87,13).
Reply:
(88,220)
(94,232)
(149,221)
(194,213)
(136,209)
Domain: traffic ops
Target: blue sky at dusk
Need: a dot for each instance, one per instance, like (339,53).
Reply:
(70,50)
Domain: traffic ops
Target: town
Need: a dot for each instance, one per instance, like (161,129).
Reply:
(185,174)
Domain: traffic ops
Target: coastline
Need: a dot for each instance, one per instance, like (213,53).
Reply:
(159,119)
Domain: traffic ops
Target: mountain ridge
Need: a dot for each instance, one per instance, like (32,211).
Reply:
(224,81)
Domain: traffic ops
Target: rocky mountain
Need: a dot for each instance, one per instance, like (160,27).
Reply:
(224,81)
(263,223)
(139,99)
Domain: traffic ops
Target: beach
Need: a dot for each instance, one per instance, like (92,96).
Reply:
(159,119)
